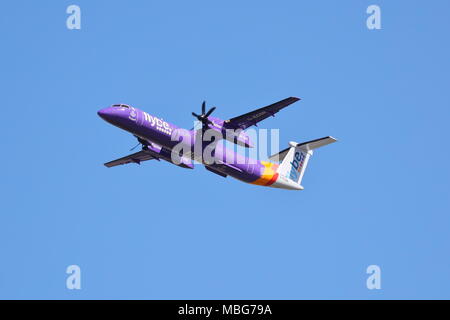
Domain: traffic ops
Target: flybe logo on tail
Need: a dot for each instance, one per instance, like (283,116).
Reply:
(296,165)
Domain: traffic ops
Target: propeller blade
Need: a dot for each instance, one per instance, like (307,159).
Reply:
(209,112)
(204,127)
(203,118)
(203,107)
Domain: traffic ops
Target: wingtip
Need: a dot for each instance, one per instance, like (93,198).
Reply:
(333,138)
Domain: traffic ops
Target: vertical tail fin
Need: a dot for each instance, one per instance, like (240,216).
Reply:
(294,164)
(294,159)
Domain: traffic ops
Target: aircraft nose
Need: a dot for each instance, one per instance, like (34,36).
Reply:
(105,113)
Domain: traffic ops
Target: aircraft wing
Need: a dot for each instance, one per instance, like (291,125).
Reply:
(252,118)
(137,157)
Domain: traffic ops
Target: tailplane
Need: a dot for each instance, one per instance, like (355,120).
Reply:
(294,159)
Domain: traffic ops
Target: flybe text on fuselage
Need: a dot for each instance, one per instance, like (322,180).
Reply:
(159,124)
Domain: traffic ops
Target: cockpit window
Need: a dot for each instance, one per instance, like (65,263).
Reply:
(120,106)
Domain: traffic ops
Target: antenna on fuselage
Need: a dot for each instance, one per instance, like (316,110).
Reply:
(140,142)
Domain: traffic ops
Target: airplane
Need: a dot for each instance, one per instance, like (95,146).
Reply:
(160,139)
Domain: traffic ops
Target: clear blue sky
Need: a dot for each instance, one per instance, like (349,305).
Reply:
(378,196)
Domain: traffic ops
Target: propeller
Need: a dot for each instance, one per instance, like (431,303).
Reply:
(140,142)
(203,118)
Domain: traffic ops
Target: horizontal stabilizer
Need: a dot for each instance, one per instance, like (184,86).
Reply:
(314,144)
(307,146)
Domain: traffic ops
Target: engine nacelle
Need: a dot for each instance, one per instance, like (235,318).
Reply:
(160,152)
(238,137)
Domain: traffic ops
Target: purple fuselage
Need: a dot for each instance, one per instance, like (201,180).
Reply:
(162,137)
